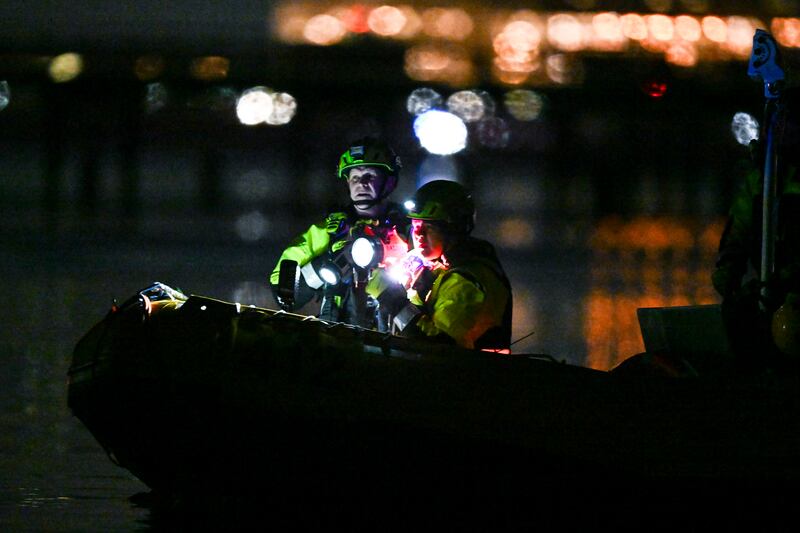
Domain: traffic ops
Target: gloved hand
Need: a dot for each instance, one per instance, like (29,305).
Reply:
(336,223)
(390,294)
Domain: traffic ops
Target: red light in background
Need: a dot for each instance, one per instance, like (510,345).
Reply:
(654,88)
(355,19)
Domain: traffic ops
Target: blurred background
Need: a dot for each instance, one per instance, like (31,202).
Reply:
(188,141)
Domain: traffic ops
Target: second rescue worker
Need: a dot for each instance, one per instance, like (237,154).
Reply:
(370,168)
(463,294)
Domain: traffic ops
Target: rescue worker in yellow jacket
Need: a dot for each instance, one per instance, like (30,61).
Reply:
(370,169)
(737,273)
(459,291)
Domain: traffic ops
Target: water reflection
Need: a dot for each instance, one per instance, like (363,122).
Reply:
(643,262)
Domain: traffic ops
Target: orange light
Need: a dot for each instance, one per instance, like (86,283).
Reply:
(565,32)
(448,64)
(386,20)
(210,68)
(608,32)
(681,54)
(324,30)
(715,29)
(518,38)
(740,36)
(634,27)
(688,28)
(786,31)
(447,23)
(509,77)
(660,27)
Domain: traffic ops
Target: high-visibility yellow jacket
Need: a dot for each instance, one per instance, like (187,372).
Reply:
(330,235)
(470,300)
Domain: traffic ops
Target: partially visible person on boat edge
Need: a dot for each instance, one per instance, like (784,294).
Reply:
(765,329)
(451,286)
(370,169)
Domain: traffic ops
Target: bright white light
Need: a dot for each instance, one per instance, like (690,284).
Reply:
(362,252)
(328,275)
(423,99)
(284,107)
(5,95)
(409,205)
(440,132)
(744,127)
(254,106)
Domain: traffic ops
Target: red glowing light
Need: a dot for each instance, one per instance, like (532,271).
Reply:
(356,18)
(654,88)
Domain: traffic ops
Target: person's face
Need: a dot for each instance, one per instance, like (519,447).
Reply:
(366,183)
(428,238)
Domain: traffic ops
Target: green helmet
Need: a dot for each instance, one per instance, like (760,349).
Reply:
(369,152)
(443,201)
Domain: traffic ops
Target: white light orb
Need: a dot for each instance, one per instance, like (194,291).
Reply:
(254,106)
(440,132)
(284,107)
(744,127)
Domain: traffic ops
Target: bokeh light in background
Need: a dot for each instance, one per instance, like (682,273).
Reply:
(440,132)
(565,32)
(423,99)
(252,226)
(284,107)
(787,31)
(324,30)
(254,106)
(387,21)
(261,105)
(150,67)
(493,132)
(470,106)
(523,104)
(65,67)
(447,23)
(745,128)
(156,97)
(445,63)
(210,68)
(5,94)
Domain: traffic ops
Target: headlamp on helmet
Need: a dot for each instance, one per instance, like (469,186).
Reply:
(445,202)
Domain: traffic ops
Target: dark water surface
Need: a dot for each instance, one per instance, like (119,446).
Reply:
(54,476)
